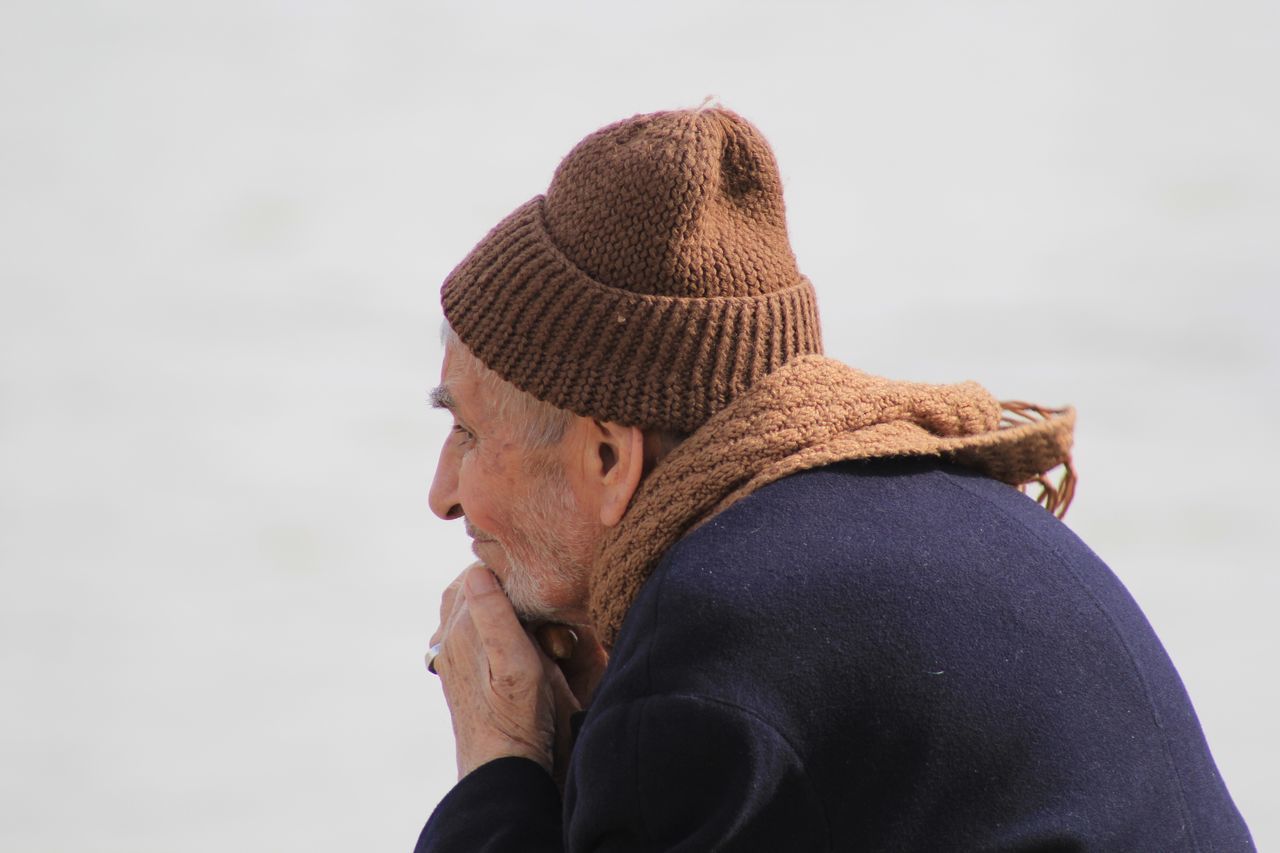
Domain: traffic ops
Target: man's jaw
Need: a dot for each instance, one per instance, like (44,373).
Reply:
(494,557)
(528,603)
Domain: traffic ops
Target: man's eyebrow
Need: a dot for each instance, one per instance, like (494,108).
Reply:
(442,399)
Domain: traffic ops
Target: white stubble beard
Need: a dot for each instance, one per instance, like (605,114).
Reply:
(552,556)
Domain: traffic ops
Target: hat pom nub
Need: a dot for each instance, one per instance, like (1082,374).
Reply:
(651,285)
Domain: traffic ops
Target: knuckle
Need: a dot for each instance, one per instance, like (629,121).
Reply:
(511,687)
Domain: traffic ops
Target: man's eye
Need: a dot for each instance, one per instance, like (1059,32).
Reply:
(462,432)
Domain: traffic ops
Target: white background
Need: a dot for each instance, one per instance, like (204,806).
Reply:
(224,227)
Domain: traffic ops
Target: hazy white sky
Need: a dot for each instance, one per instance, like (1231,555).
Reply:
(225,226)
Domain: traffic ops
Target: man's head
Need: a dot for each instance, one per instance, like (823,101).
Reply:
(650,286)
(537,485)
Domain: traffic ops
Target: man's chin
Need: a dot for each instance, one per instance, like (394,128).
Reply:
(528,604)
(532,610)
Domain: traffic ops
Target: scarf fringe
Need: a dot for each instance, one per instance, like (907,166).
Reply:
(1056,498)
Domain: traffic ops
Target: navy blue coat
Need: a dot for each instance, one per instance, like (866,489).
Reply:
(887,656)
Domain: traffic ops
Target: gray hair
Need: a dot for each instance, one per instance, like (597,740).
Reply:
(538,423)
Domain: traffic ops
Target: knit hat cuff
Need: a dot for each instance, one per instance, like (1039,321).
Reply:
(544,325)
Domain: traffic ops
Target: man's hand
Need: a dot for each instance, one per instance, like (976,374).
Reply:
(580,661)
(501,689)
(578,654)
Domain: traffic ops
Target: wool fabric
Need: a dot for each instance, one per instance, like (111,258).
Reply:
(651,285)
(891,655)
(809,413)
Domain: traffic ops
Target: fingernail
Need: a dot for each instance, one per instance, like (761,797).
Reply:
(480,579)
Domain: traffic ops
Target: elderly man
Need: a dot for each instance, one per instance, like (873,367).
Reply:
(734,595)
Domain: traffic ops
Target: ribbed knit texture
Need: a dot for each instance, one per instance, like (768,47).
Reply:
(653,283)
(812,412)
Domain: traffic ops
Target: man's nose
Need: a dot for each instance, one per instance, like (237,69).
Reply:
(444,488)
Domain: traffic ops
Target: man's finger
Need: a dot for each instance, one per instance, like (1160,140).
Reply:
(496,624)
(558,641)
(449,598)
(449,601)
(585,666)
(453,592)
(565,704)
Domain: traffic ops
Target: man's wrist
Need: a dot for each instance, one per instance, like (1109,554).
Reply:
(475,759)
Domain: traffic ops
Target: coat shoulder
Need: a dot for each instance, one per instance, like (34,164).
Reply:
(926,636)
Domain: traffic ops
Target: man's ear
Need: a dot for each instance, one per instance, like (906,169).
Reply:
(616,465)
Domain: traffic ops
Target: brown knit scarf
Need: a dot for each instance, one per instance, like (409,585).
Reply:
(810,412)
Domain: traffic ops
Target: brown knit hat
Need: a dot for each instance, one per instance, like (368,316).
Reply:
(651,285)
